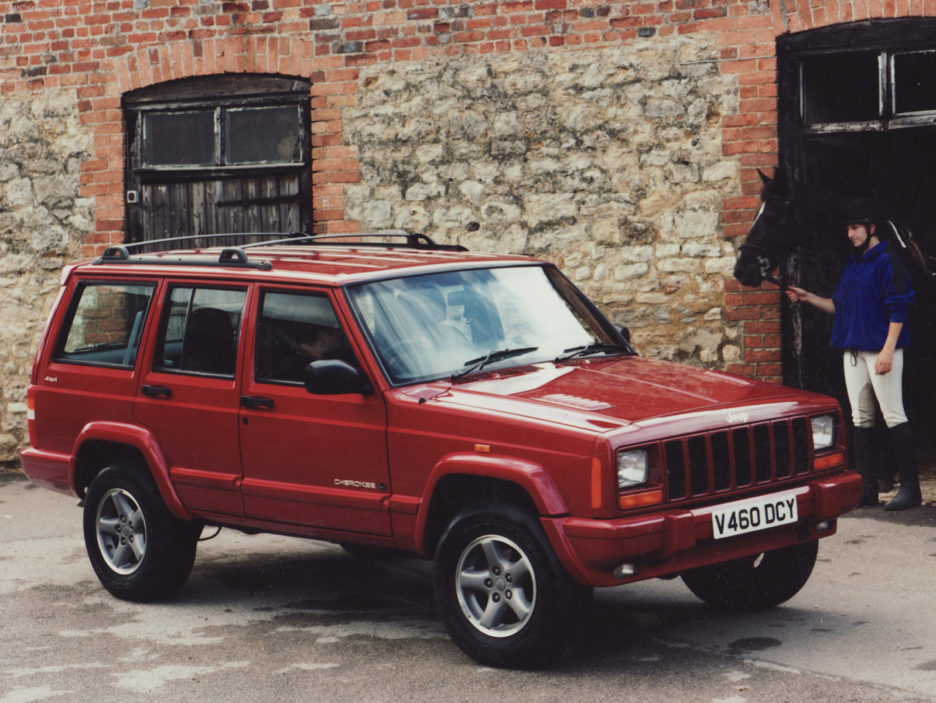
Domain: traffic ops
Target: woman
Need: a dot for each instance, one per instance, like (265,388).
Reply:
(870,305)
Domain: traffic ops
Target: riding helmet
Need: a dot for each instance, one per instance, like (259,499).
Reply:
(859,211)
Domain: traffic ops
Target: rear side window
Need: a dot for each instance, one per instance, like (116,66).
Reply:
(104,324)
(200,330)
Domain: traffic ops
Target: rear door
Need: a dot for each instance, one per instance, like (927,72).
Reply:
(188,395)
(315,460)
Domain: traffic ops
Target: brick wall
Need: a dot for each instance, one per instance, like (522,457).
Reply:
(99,49)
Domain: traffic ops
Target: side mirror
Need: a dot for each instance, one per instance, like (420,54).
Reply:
(335,377)
(624,332)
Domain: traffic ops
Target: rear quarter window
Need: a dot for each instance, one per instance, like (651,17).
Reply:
(104,324)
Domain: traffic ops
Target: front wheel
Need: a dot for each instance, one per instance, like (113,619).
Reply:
(755,582)
(502,594)
(138,549)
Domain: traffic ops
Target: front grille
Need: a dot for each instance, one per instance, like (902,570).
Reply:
(742,456)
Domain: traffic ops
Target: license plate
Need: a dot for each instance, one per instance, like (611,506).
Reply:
(754,514)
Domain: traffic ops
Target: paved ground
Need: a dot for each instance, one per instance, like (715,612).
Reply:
(270,618)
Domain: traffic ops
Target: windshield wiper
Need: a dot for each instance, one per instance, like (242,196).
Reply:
(588,349)
(473,365)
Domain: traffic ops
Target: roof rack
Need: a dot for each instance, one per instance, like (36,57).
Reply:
(237,256)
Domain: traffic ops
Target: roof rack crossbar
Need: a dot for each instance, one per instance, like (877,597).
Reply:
(230,257)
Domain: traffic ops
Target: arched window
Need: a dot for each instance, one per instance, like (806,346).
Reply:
(218,154)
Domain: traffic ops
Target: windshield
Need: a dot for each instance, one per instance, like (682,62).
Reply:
(444,325)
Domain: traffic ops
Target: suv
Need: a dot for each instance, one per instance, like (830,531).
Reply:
(402,395)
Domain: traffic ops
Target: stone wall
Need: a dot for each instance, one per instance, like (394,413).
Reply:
(608,162)
(42,222)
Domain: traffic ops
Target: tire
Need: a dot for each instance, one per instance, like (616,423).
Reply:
(138,550)
(501,592)
(756,582)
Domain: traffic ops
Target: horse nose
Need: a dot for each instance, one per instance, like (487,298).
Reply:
(747,273)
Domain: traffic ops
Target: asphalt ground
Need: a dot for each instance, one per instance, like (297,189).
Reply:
(268,618)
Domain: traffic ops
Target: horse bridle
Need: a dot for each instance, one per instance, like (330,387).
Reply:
(761,253)
(763,260)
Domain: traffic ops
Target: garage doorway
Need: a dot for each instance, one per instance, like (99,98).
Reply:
(858,117)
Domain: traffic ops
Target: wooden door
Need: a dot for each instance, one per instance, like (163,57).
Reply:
(218,154)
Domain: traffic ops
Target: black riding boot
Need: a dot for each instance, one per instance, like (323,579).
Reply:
(902,446)
(864,464)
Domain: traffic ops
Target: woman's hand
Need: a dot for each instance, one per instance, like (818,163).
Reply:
(801,295)
(884,361)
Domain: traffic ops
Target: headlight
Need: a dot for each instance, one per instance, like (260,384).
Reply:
(632,468)
(823,431)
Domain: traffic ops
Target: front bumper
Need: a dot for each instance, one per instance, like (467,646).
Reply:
(670,541)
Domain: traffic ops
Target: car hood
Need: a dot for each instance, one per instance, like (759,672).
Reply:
(606,394)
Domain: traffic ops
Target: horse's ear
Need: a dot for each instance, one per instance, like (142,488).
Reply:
(764,177)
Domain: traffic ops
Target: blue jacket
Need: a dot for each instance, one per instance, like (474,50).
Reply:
(874,290)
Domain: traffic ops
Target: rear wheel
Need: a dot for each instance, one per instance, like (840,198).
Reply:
(502,594)
(755,582)
(139,551)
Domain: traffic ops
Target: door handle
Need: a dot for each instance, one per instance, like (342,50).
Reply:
(255,401)
(156,391)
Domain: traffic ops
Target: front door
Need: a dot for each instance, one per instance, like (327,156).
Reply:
(315,460)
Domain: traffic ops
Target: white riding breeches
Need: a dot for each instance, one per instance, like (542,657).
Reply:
(864,386)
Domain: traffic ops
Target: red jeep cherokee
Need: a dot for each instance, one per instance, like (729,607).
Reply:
(476,409)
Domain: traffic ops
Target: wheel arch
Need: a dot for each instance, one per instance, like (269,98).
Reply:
(459,482)
(101,443)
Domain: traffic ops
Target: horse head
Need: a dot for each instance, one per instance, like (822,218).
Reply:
(769,240)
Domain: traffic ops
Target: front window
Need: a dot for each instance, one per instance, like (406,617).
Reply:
(294,330)
(440,325)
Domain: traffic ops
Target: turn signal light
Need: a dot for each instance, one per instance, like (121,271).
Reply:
(828,461)
(637,500)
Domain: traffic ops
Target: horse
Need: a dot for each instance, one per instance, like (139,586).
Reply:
(771,237)
(772,241)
